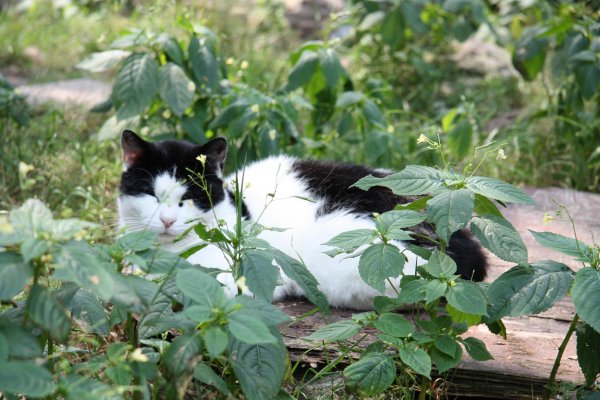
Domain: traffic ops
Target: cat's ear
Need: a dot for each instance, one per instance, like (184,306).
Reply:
(133,148)
(215,152)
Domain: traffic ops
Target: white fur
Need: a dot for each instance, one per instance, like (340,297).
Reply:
(275,198)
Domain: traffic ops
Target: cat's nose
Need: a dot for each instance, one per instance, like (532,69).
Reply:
(167,222)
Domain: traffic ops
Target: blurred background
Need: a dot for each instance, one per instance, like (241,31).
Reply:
(508,88)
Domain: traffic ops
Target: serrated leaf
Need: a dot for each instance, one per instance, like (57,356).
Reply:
(137,241)
(412,180)
(379,262)
(44,309)
(249,329)
(498,190)
(32,217)
(460,138)
(22,343)
(303,71)
(330,66)
(88,313)
(467,297)
(462,317)
(372,374)
(113,127)
(32,248)
(444,361)
(476,349)
(200,287)
(176,89)
(483,205)
(229,113)
(183,354)
(394,325)
(390,223)
(529,289)
(450,211)
(336,331)
(4,349)
(261,275)
(586,296)
(102,61)
(500,237)
(14,274)
(159,261)
(136,84)
(204,65)
(412,290)
(173,50)
(350,98)
(215,339)
(206,375)
(588,352)
(259,368)
(440,265)
(266,312)
(566,245)
(417,359)
(352,240)
(434,290)
(26,378)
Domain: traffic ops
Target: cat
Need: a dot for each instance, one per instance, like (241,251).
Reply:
(312,199)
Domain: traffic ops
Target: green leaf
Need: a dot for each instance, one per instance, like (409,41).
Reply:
(4,349)
(434,290)
(44,309)
(22,343)
(206,375)
(183,354)
(176,89)
(266,312)
(413,180)
(476,349)
(348,99)
(137,241)
(460,138)
(372,374)
(331,67)
(460,317)
(467,297)
(215,339)
(417,359)
(160,317)
(198,313)
(450,211)
(200,287)
(336,331)
(173,50)
(32,248)
(566,245)
(26,378)
(586,296)
(394,325)
(303,71)
(379,262)
(31,218)
(259,368)
(483,205)
(500,237)
(261,275)
(204,65)
(412,290)
(588,352)
(249,329)
(415,205)
(498,190)
(445,361)
(530,289)
(159,261)
(88,313)
(587,76)
(136,84)
(440,265)
(14,274)
(102,61)
(530,53)
(352,240)
(229,113)
(390,223)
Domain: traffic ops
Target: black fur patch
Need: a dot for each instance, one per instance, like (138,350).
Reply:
(331,183)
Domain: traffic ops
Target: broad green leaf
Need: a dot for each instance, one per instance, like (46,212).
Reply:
(26,378)
(4,349)
(434,290)
(88,313)
(261,275)
(483,205)
(259,368)
(336,331)
(379,262)
(446,344)
(450,211)
(176,89)
(588,352)
(500,237)
(81,388)
(530,289)
(394,325)
(301,275)
(330,66)
(586,296)
(229,113)
(159,261)
(351,240)
(136,84)
(249,329)
(372,113)
(32,248)
(372,374)
(417,359)
(476,349)
(133,293)
(198,313)
(498,190)
(31,218)
(137,241)
(206,375)
(14,274)
(65,229)
(412,180)
(215,339)
(412,16)
(390,223)
(440,265)
(462,317)
(266,312)
(303,71)
(347,99)
(392,28)
(460,138)
(160,317)
(204,65)
(415,205)
(412,290)
(587,76)
(183,354)
(529,53)
(173,50)
(200,287)
(467,297)
(445,361)
(562,244)
(46,311)
(22,343)
(102,61)
(113,127)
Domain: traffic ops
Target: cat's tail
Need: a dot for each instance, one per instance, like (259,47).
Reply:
(468,254)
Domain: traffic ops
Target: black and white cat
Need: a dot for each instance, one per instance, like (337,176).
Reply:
(313,200)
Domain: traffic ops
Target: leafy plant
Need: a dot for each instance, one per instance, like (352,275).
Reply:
(12,104)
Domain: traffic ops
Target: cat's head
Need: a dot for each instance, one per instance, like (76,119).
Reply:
(160,189)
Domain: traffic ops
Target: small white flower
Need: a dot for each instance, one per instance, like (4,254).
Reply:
(241,283)
(137,355)
(244,64)
(166,114)
(191,87)
(272,134)
(422,139)
(230,61)
(25,168)
(202,159)
(548,218)
(390,128)
(255,108)
(145,131)
(501,155)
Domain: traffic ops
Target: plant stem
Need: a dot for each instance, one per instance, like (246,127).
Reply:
(132,339)
(50,345)
(561,350)
(425,383)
